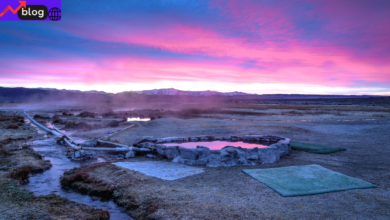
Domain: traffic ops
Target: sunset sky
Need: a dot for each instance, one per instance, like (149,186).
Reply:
(254,46)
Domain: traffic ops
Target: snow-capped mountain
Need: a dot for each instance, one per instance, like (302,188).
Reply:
(65,90)
(189,93)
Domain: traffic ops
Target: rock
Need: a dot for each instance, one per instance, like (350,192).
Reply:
(251,154)
(150,156)
(171,139)
(77,154)
(241,153)
(210,138)
(202,161)
(241,161)
(203,138)
(147,139)
(215,154)
(203,151)
(130,154)
(253,157)
(226,138)
(171,152)
(90,143)
(213,163)
(191,154)
(229,163)
(230,149)
(194,139)
(160,148)
(88,153)
(268,155)
(194,162)
(177,159)
(226,158)
(147,145)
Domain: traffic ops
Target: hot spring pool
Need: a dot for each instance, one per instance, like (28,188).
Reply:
(217,145)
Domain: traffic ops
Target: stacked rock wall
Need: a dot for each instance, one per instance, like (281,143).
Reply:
(227,156)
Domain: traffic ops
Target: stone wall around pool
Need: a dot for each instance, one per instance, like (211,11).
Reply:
(227,156)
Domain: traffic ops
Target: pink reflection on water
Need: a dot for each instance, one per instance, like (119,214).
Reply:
(216,145)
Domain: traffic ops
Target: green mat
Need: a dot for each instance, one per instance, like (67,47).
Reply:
(306,180)
(313,148)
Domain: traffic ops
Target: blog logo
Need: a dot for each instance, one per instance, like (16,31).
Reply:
(33,12)
(30,10)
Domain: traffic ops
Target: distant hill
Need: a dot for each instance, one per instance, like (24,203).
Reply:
(44,94)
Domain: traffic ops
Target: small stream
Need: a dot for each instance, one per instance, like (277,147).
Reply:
(49,181)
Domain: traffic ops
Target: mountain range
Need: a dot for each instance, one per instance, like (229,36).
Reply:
(170,91)
(22,94)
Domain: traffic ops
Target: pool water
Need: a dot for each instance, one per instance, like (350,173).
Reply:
(217,145)
(138,119)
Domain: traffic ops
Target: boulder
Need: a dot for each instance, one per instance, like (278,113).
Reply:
(194,139)
(150,156)
(160,148)
(226,138)
(202,161)
(203,151)
(191,154)
(90,143)
(77,154)
(203,138)
(213,163)
(130,154)
(225,155)
(171,139)
(268,155)
(148,145)
(210,138)
(177,159)
(171,152)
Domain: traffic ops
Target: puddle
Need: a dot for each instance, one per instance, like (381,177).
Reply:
(48,181)
(138,119)
(217,145)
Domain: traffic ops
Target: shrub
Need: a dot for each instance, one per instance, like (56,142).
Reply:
(67,114)
(113,123)
(40,117)
(15,118)
(21,173)
(57,119)
(81,126)
(109,113)
(3,152)
(13,126)
(86,114)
